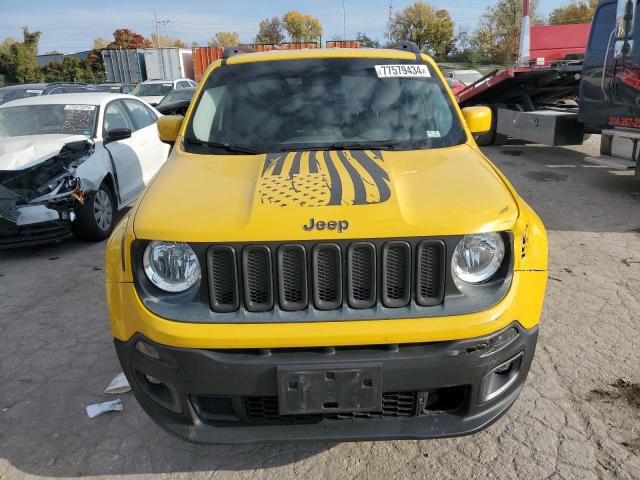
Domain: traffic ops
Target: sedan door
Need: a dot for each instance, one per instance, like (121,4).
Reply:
(153,152)
(125,153)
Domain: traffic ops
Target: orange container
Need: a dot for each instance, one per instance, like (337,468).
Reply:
(263,47)
(298,45)
(344,44)
(202,58)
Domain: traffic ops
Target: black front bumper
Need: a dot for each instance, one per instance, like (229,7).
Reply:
(430,390)
(12,236)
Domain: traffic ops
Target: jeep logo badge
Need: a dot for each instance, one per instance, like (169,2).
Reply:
(339,225)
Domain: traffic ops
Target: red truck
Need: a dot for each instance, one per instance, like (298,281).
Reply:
(558,102)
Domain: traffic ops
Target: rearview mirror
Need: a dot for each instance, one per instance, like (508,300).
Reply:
(116,134)
(478,119)
(169,127)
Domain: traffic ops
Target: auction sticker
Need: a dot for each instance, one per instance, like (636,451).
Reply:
(88,108)
(394,71)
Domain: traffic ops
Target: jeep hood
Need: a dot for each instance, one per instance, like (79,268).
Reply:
(224,198)
(18,153)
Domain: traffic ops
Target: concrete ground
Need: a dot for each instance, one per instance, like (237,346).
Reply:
(578,416)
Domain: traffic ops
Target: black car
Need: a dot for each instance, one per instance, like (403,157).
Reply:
(15,92)
(176,101)
(116,87)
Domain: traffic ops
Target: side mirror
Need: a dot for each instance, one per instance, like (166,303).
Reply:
(169,127)
(478,119)
(116,134)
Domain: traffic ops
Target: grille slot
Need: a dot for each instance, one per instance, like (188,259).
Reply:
(430,273)
(223,279)
(257,278)
(396,274)
(394,404)
(361,270)
(327,277)
(292,277)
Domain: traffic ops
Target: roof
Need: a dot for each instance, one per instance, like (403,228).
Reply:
(89,98)
(321,53)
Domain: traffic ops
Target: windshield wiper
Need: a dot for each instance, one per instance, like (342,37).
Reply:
(356,146)
(227,147)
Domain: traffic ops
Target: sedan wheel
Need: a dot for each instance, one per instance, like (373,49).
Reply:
(103,210)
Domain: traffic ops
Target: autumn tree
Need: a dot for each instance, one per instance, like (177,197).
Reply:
(225,39)
(302,28)
(164,41)
(270,30)
(576,11)
(497,36)
(125,38)
(100,43)
(421,23)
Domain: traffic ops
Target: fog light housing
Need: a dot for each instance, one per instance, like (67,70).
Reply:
(500,378)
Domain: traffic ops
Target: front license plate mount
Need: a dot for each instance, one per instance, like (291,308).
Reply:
(329,389)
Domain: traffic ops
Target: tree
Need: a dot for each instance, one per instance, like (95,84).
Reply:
(576,11)
(270,31)
(125,38)
(163,41)
(302,28)
(498,34)
(366,41)
(430,29)
(18,59)
(100,43)
(225,39)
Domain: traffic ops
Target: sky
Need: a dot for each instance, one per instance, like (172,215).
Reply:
(70,25)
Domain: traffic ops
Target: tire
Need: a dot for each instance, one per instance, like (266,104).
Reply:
(97,216)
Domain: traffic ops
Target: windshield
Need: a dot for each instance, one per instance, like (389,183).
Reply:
(178,95)
(285,105)
(17,93)
(48,119)
(152,89)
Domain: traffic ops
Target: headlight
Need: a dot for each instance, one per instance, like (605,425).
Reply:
(171,266)
(477,257)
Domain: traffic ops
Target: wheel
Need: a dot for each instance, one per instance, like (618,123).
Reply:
(96,217)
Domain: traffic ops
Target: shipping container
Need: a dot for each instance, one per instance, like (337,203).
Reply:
(123,65)
(264,47)
(344,44)
(168,63)
(298,45)
(202,58)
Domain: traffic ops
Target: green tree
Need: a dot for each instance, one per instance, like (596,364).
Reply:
(302,28)
(366,41)
(18,59)
(497,37)
(576,11)
(225,39)
(270,30)
(430,29)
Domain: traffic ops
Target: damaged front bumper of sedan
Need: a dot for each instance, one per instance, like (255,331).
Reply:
(38,204)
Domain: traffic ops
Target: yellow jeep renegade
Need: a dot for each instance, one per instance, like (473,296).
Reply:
(326,255)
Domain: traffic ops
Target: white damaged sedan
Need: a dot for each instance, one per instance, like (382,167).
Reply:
(70,162)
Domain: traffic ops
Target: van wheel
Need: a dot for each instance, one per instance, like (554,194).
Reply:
(96,217)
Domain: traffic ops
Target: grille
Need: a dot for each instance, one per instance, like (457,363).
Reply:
(326,276)
(223,286)
(430,269)
(394,404)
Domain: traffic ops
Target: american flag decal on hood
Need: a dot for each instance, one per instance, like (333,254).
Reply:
(321,178)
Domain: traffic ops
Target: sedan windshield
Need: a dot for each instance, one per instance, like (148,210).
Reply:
(152,89)
(48,119)
(272,106)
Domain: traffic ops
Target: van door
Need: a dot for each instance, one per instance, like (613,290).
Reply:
(597,67)
(624,99)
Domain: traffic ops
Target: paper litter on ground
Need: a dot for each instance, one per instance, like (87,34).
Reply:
(100,408)
(119,384)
